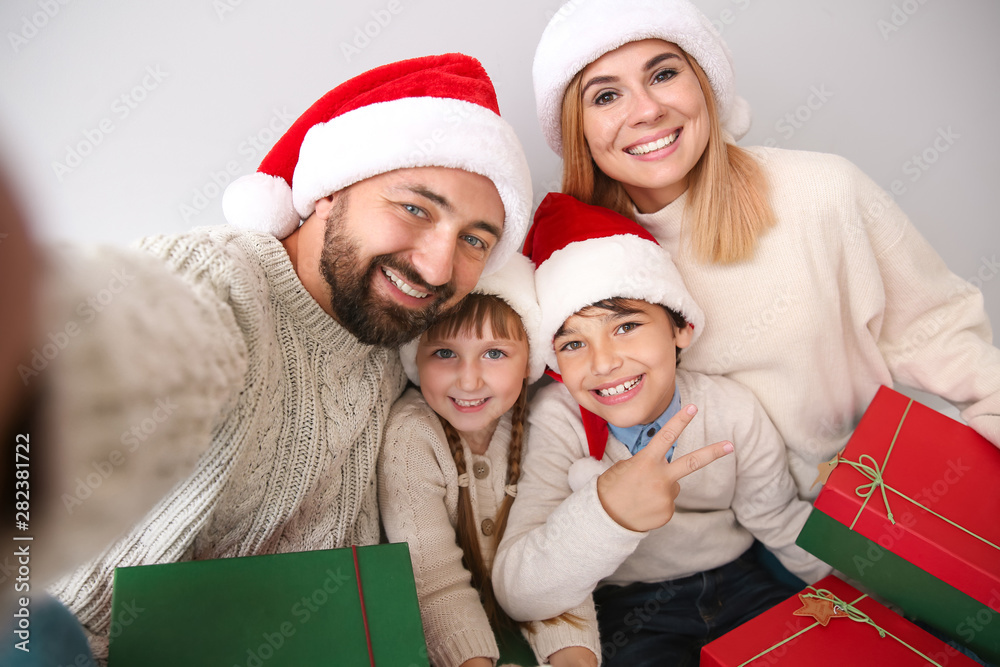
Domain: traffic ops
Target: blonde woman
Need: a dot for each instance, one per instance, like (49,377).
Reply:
(816,287)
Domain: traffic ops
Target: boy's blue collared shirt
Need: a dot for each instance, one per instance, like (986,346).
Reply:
(638,436)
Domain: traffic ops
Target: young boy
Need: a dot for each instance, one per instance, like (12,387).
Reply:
(596,508)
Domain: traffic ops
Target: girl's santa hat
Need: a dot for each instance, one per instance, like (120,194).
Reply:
(586,254)
(514,284)
(435,111)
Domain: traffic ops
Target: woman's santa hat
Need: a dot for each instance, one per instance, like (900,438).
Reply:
(435,111)
(584,30)
(585,254)
(514,284)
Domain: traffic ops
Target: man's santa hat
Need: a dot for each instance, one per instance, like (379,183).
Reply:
(586,254)
(435,111)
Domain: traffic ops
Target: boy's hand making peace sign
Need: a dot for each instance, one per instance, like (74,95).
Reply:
(639,492)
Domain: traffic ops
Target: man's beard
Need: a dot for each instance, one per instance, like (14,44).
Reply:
(371,320)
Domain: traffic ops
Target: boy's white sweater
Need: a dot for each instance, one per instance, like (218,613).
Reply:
(560,545)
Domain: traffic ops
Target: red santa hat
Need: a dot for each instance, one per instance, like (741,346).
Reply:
(583,31)
(435,111)
(586,254)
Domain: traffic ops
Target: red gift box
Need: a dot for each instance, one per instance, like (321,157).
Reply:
(939,479)
(858,631)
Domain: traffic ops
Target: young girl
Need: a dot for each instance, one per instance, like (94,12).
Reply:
(450,464)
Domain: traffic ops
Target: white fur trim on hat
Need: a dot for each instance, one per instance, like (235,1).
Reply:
(418,132)
(514,282)
(572,278)
(260,202)
(584,30)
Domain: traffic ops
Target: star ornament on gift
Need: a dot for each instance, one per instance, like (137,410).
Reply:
(826,468)
(821,608)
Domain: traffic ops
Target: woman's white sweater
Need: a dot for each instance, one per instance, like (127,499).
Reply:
(841,296)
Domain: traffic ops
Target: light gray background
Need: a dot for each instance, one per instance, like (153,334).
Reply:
(885,79)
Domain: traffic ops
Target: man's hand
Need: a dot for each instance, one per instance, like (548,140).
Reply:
(639,493)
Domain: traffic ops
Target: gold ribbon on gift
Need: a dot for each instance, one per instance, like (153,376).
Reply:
(875,473)
(853,613)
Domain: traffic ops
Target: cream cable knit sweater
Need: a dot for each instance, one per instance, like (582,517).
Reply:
(418,499)
(560,545)
(841,296)
(289,460)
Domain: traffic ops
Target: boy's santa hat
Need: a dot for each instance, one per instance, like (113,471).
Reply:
(586,254)
(514,284)
(435,111)
(581,32)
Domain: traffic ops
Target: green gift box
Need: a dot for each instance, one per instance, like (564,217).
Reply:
(354,606)
(911,510)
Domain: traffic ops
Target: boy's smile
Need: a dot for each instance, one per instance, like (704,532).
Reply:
(621,366)
(612,393)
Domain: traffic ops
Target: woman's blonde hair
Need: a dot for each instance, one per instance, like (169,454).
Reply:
(727,193)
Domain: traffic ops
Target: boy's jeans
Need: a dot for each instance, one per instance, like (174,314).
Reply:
(667,623)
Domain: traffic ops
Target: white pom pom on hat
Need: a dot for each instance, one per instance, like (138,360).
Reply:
(262,202)
(584,30)
(435,111)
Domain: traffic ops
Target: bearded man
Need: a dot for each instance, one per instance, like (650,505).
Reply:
(264,353)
